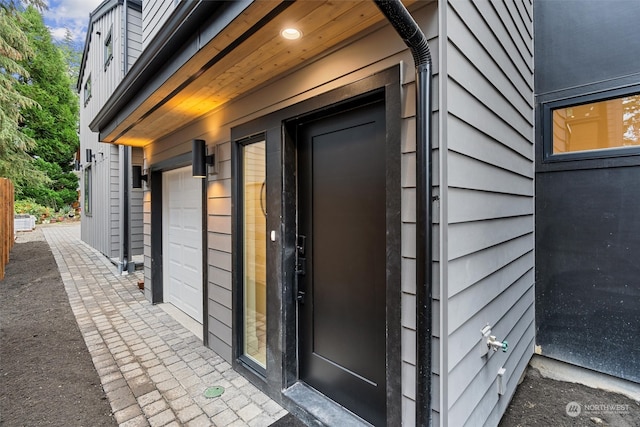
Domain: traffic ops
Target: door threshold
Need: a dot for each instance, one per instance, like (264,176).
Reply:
(317,407)
(184,319)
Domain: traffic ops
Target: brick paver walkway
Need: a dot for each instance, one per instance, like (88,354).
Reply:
(153,370)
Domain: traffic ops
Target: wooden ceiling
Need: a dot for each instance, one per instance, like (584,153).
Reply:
(203,85)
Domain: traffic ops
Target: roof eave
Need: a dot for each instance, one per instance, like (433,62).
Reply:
(190,27)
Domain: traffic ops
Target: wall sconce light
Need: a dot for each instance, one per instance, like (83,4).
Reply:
(201,161)
(137,176)
(89,156)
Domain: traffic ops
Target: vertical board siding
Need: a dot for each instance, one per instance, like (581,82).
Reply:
(97,227)
(489,205)
(101,229)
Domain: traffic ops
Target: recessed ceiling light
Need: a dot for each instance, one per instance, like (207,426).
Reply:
(291,33)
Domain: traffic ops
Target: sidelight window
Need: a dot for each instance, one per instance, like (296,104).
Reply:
(254,232)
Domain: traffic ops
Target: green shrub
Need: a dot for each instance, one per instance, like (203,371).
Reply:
(30,207)
(66,211)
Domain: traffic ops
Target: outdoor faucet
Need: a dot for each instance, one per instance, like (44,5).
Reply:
(489,341)
(494,344)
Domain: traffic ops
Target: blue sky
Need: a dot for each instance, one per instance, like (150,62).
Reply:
(71,14)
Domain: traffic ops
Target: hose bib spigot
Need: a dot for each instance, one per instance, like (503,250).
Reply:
(496,345)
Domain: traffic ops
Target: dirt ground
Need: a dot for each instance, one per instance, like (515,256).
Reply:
(542,401)
(47,377)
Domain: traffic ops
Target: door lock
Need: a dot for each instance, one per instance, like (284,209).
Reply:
(301,266)
(301,262)
(300,297)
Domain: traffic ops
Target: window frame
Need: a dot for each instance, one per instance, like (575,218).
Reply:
(108,49)
(87,90)
(548,108)
(241,355)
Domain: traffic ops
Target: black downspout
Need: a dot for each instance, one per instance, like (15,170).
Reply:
(414,38)
(126,235)
(126,230)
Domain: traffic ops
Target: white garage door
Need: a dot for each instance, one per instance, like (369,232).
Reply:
(182,241)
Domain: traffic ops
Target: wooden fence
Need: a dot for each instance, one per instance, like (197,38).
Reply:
(6,222)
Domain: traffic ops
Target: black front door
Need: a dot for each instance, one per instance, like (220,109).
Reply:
(342,258)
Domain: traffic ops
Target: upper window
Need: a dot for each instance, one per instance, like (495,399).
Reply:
(87,90)
(603,128)
(108,49)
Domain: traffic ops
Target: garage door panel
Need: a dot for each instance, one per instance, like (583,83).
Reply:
(182,217)
(175,261)
(174,285)
(191,254)
(190,278)
(192,221)
(190,273)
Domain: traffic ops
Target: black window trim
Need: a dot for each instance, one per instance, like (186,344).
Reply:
(239,265)
(87,90)
(547,121)
(108,55)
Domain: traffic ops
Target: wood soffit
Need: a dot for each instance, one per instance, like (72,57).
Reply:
(202,85)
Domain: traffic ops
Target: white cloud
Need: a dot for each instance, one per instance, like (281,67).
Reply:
(69,14)
(59,33)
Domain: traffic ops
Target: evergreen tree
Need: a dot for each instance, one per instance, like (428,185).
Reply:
(54,124)
(15,163)
(72,53)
